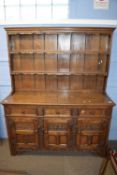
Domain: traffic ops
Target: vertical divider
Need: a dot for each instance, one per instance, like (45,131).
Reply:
(10,43)
(70,76)
(83,78)
(21,75)
(21,80)
(98,67)
(33,57)
(44,62)
(57,62)
(17,56)
(19,50)
(108,58)
(33,37)
(107,61)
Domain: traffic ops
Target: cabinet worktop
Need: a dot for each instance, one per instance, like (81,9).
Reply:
(59,98)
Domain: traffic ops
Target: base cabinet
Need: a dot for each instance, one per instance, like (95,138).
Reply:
(56,129)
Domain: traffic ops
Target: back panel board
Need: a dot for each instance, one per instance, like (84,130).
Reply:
(59,58)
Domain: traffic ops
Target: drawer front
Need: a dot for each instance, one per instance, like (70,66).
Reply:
(21,110)
(52,111)
(57,111)
(91,112)
(87,124)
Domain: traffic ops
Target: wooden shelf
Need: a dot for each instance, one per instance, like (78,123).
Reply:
(56,30)
(57,73)
(42,33)
(57,52)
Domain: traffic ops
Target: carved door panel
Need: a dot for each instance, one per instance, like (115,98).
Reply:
(90,140)
(91,134)
(23,133)
(57,133)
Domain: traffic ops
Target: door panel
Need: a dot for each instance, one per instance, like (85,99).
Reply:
(57,133)
(91,134)
(90,141)
(25,132)
(27,140)
(57,140)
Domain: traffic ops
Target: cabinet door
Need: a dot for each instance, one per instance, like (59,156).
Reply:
(23,133)
(90,140)
(91,133)
(57,133)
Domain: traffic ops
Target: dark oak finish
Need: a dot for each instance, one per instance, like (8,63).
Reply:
(58,100)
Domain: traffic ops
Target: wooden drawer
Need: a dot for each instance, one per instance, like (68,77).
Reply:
(91,112)
(57,111)
(21,110)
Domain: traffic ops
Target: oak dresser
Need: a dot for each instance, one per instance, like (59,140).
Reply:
(58,100)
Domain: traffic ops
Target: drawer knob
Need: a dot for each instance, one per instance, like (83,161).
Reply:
(83,111)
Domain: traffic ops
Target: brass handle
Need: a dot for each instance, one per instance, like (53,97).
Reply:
(83,111)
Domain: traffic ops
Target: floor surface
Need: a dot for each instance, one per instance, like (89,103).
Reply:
(49,164)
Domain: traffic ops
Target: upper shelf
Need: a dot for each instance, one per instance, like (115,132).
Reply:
(50,30)
(58,52)
(57,73)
